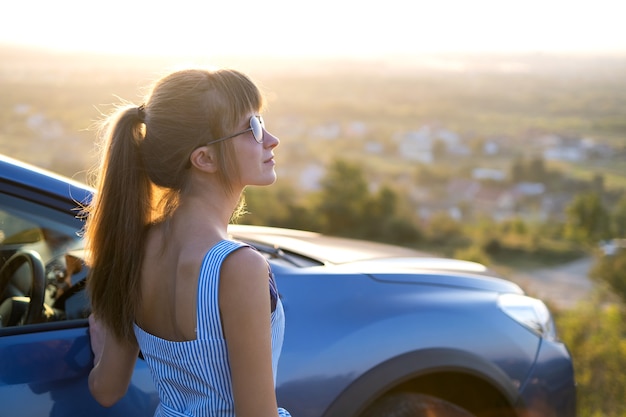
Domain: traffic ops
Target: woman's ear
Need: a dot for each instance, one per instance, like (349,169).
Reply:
(204,158)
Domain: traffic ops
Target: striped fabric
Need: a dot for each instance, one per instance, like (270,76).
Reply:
(193,377)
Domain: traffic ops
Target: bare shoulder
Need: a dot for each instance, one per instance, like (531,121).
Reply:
(244,279)
(244,262)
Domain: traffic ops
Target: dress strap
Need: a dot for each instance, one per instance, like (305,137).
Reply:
(208,319)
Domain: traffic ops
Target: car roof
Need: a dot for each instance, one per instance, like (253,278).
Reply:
(28,176)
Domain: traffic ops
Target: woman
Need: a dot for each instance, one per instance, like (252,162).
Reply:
(165,278)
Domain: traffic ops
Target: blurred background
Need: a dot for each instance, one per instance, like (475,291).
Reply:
(485,130)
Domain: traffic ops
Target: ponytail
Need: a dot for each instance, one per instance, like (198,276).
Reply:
(116,223)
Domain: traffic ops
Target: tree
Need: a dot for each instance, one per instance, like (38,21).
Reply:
(444,230)
(343,199)
(269,206)
(587,219)
(382,220)
(380,208)
(514,226)
(618,217)
(278,206)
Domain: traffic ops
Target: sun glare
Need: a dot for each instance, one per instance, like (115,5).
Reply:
(322,28)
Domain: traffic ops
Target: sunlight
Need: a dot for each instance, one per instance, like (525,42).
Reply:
(325,28)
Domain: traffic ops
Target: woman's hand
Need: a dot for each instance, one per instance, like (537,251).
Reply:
(114,362)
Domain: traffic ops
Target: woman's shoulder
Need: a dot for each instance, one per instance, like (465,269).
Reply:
(245,263)
(244,256)
(244,279)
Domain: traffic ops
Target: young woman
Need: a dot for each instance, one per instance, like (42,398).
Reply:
(165,277)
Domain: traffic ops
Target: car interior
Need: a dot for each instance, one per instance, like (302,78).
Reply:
(42,273)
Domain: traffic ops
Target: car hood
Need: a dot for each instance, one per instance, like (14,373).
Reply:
(380,261)
(323,248)
(432,271)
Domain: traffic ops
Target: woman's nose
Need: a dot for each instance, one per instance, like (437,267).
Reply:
(270,140)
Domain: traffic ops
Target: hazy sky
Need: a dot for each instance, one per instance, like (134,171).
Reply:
(316,28)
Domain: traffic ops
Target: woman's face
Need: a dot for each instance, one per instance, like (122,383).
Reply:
(255,161)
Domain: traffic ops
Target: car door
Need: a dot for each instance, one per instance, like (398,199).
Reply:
(45,363)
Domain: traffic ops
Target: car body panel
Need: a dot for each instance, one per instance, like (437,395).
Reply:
(548,387)
(390,324)
(47,375)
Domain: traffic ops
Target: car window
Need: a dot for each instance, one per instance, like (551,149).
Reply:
(51,237)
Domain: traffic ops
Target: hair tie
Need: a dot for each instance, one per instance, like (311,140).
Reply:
(141,113)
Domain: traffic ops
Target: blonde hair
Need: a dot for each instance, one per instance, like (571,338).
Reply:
(143,171)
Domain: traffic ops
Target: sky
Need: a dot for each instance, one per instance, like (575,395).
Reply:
(320,28)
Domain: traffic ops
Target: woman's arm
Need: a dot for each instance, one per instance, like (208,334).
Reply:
(245,307)
(114,363)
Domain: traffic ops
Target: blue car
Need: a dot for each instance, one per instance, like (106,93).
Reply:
(372,330)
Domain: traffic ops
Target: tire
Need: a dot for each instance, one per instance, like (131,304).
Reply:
(407,404)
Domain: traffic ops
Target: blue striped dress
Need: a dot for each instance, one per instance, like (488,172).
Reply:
(193,377)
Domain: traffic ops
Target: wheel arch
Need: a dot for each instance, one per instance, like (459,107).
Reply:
(429,371)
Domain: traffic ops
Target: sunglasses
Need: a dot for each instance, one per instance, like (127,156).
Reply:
(256,126)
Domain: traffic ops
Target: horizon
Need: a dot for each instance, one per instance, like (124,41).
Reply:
(15,59)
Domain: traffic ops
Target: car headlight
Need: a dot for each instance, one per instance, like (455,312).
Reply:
(530,312)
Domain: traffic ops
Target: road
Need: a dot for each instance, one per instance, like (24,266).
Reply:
(564,285)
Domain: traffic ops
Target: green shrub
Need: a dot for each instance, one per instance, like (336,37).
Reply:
(595,335)
(611,270)
(473,253)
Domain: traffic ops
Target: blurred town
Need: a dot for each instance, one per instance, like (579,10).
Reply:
(508,137)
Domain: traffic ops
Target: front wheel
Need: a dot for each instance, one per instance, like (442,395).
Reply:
(408,404)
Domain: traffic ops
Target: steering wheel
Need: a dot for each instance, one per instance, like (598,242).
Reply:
(37,285)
